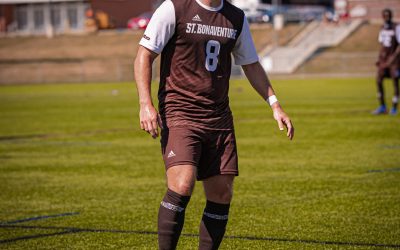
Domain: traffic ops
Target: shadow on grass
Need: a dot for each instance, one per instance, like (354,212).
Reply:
(68,230)
(81,133)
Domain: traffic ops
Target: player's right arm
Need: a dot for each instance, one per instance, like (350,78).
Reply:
(158,32)
(380,40)
(148,115)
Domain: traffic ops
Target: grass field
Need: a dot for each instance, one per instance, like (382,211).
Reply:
(76,172)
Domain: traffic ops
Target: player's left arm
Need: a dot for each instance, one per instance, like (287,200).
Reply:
(260,82)
(245,55)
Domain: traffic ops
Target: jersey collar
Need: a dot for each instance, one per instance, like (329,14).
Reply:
(211,8)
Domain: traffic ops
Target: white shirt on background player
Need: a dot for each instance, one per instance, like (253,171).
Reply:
(162,27)
(385,37)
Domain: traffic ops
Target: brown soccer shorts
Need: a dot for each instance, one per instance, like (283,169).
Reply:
(388,72)
(213,152)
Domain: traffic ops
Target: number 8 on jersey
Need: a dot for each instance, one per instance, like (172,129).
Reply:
(212,51)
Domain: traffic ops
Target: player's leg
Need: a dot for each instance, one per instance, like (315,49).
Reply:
(380,93)
(395,99)
(171,214)
(180,149)
(218,190)
(217,168)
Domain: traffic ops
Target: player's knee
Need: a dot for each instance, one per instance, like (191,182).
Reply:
(182,188)
(222,196)
(227,197)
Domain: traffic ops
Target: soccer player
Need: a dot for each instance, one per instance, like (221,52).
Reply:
(196,39)
(388,62)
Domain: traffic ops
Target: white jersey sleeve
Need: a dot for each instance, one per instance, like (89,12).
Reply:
(160,28)
(398,33)
(380,37)
(245,51)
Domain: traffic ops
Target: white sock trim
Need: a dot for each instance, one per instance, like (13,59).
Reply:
(216,216)
(172,207)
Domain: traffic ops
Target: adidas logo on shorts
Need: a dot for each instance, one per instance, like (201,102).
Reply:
(196,18)
(171,154)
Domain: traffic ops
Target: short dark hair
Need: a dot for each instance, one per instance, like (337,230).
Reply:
(388,11)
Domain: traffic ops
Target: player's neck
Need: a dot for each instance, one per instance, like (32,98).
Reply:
(211,3)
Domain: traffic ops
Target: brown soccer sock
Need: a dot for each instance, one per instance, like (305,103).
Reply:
(381,93)
(395,99)
(171,216)
(213,224)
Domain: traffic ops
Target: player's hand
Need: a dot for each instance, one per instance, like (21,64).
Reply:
(283,120)
(388,63)
(149,120)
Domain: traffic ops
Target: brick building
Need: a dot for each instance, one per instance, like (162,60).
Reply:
(120,11)
(38,17)
(48,17)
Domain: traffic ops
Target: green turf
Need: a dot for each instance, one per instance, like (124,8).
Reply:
(78,148)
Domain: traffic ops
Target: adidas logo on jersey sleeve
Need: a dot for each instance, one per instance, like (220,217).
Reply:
(171,154)
(196,18)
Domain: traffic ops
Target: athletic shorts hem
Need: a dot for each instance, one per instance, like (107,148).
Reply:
(235,173)
(179,163)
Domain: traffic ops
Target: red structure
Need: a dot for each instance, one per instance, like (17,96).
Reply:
(6,16)
(120,11)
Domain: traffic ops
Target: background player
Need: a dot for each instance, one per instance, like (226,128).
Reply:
(196,39)
(388,61)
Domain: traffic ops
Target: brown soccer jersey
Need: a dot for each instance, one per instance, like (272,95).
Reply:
(196,66)
(389,43)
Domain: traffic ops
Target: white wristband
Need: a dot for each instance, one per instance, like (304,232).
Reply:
(272,99)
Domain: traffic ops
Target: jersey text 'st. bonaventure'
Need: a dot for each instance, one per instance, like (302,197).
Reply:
(196,43)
